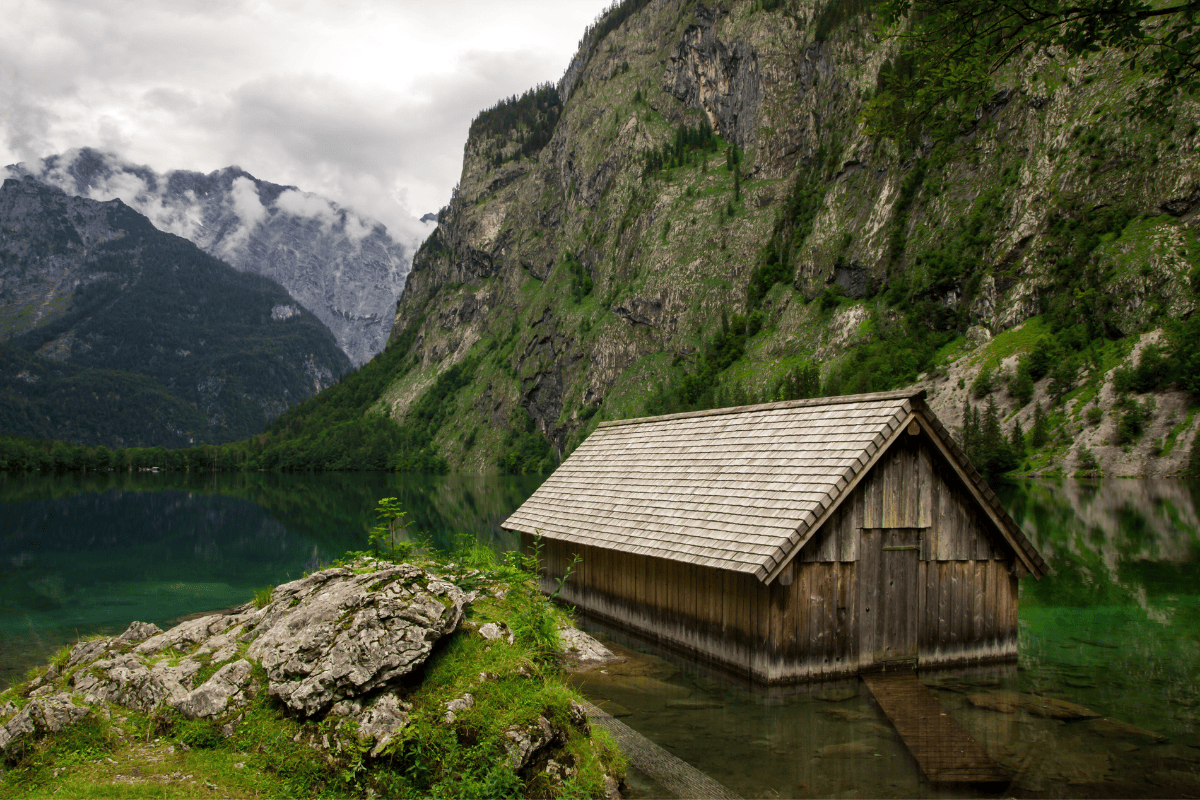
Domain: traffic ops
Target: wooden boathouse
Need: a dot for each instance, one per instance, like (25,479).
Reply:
(788,541)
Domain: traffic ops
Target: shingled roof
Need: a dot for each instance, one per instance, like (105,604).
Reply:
(739,489)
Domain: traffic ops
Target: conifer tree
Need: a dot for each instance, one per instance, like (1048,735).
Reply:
(1017,440)
(1041,428)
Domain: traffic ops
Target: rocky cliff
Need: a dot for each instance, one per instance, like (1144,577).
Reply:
(344,268)
(633,264)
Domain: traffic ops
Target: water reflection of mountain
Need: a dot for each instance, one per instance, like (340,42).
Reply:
(1116,542)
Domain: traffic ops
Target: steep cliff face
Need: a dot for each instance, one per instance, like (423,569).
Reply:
(342,267)
(633,254)
(119,334)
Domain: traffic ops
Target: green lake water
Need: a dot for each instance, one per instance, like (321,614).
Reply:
(1115,628)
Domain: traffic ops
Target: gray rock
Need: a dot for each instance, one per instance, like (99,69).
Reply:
(83,652)
(230,728)
(524,745)
(226,687)
(383,721)
(459,704)
(580,647)
(494,631)
(138,632)
(186,635)
(579,718)
(126,680)
(8,709)
(41,716)
(335,635)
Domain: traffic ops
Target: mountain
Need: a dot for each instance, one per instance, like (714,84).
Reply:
(695,216)
(122,335)
(339,265)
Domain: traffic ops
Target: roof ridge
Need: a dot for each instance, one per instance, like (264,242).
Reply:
(898,394)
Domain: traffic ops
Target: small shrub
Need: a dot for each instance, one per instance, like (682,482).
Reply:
(984,383)
(1021,384)
(1094,415)
(1132,422)
(1087,460)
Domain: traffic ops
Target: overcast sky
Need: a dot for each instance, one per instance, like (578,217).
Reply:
(364,101)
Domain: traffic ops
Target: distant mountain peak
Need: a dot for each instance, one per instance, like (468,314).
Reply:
(343,267)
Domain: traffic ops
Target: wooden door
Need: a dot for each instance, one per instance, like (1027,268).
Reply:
(887,596)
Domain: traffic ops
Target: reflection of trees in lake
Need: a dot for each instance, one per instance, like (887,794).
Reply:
(1120,540)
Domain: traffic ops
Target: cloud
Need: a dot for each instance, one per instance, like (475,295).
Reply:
(363,102)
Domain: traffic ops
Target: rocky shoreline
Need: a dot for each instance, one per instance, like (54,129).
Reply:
(401,676)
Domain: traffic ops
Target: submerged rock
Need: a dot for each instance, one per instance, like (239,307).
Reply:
(1115,729)
(861,749)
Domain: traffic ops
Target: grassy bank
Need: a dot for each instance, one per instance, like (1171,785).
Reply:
(262,750)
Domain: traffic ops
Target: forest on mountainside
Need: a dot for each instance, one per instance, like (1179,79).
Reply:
(152,342)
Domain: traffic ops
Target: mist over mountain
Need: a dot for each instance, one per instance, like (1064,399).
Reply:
(118,334)
(344,268)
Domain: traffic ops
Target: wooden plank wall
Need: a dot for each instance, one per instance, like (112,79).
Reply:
(810,628)
(773,634)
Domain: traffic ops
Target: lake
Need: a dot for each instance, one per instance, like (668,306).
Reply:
(1114,628)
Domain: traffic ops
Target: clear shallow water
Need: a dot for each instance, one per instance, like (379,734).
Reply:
(1116,628)
(83,555)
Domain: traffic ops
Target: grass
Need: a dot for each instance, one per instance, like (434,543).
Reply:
(119,753)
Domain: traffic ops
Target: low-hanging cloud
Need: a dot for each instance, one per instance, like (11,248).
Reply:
(367,104)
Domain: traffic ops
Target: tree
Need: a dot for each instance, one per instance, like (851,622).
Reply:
(1016,440)
(952,50)
(1041,427)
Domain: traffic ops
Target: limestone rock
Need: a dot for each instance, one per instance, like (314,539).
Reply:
(227,686)
(579,718)
(90,650)
(459,704)
(41,716)
(126,680)
(186,635)
(494,631)
(138,632)
(383,721)
(524,745)
(581,648)
(335,634)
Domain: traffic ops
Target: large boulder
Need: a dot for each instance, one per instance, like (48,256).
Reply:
(336,634)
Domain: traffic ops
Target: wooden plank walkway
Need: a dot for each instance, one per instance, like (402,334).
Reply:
(944,750)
